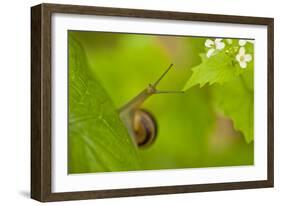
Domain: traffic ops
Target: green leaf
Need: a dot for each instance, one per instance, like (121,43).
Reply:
(219,68)
(98,140)
(233,91)
(236,99)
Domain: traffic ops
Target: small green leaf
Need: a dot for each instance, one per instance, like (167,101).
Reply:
(219,68)
(98,140)
(236,99)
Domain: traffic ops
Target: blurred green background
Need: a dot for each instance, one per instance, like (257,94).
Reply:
(191,131)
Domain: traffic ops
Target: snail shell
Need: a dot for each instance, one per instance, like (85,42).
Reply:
(144,127)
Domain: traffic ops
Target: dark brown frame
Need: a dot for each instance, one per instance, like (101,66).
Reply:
(41,101)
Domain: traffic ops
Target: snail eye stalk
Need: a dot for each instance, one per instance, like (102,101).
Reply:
(154,85)
(163,75)
(167,91)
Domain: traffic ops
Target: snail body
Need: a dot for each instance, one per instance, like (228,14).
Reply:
(140,123)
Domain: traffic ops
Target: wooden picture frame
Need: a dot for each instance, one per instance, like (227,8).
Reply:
(41,96)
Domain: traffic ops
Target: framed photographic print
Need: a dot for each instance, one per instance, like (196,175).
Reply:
(132,102)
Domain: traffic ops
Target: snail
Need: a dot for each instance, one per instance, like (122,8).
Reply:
(140,123)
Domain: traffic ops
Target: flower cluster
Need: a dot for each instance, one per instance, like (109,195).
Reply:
(214,46)
(217,45)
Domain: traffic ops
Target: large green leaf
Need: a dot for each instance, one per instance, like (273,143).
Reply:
(98,141)
(236,99)
(216,69)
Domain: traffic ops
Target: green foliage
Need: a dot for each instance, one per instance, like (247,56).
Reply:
(236,99)
(98,141)
(217,69)
(233,92)
(123,65)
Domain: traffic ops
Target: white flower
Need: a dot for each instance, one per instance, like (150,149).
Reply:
(243,58)
(242,42)
(214,46)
